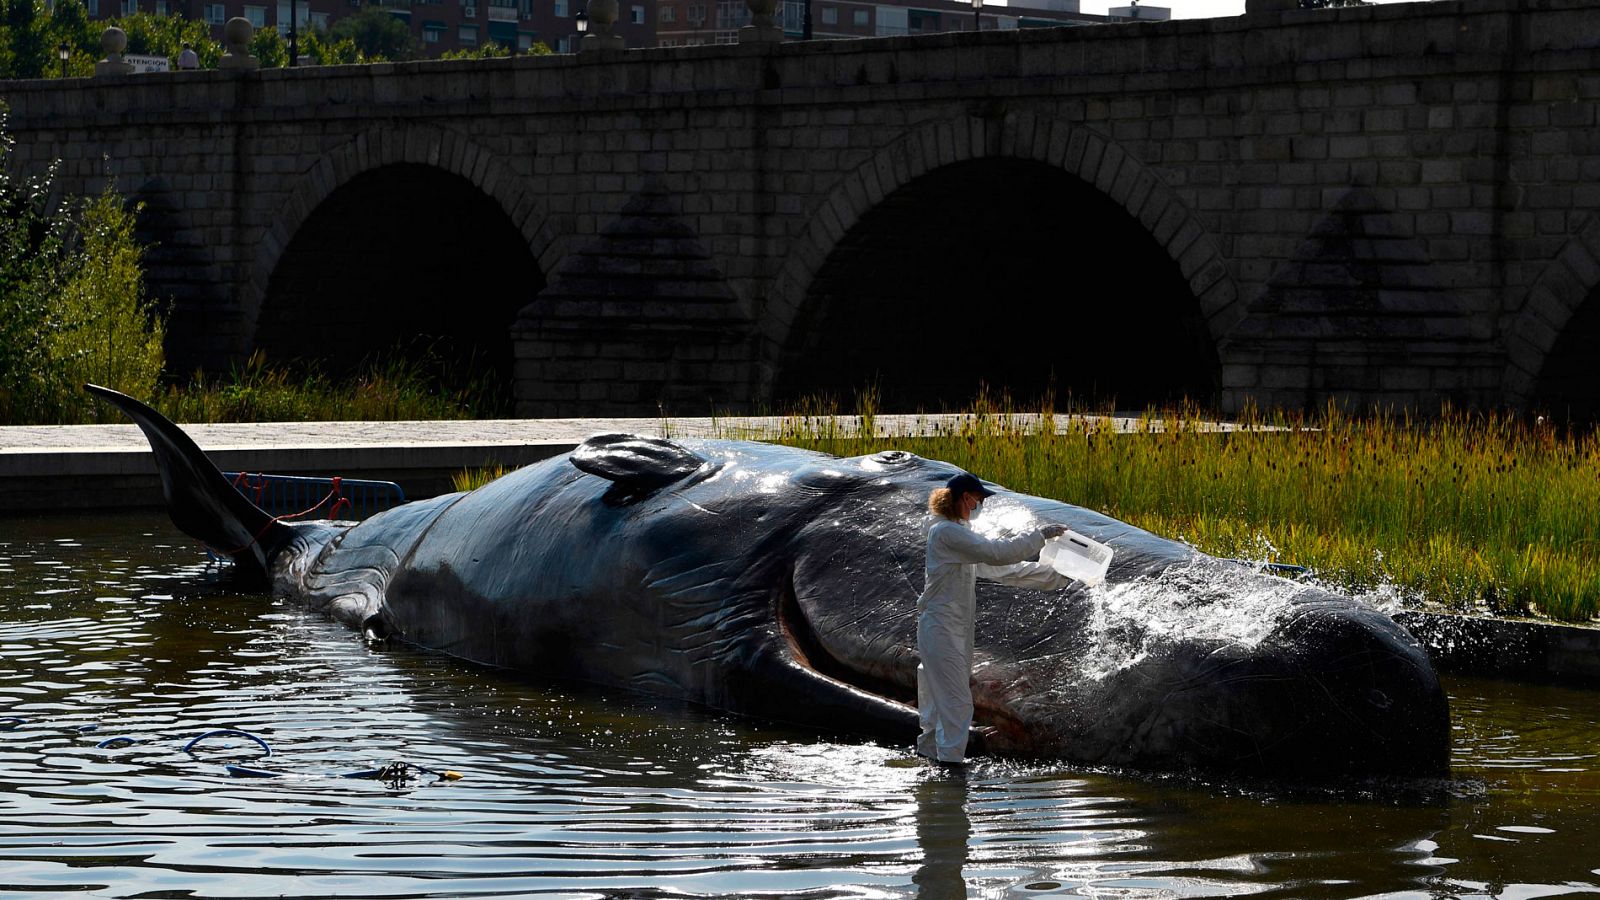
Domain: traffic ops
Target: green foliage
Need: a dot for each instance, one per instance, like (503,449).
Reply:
(105,330)
(324,49)
(29,38)
(376,34)
(165,36)
(472,479)
(487,50)
(269,48)
(495,50)
(1475,512)
(27,55)
(72,305)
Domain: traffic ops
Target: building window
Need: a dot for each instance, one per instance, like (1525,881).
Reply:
(319,21)
(667,15)
(432,32)
(94,8)
(697,14)
(830,15)
(216,13)
(161,7)
(257,15)
(524,41)
(893,20)
(860,18)
(129,7)
(638,15)
(561,9)
(732,14)
(468,35)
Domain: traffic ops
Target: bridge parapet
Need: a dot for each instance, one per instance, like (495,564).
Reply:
(1378,204)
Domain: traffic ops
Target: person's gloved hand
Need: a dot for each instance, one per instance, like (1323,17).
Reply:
(1051,532)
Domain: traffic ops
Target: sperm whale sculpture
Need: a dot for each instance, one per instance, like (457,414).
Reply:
(782,583)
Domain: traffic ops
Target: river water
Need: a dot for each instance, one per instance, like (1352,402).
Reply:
(113,626)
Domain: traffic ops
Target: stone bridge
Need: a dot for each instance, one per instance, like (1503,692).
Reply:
(1392,204)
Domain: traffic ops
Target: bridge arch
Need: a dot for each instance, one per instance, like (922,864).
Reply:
(365,185)
(1550,342)
(1040,147)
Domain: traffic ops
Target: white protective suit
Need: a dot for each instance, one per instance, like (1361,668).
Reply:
(957,556)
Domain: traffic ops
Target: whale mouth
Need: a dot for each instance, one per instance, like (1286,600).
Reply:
(808,650)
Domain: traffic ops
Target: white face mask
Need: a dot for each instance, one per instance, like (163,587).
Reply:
(975,511)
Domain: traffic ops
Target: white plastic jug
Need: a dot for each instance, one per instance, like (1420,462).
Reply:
(1078,557)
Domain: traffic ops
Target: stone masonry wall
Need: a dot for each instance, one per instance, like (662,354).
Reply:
(1388,204)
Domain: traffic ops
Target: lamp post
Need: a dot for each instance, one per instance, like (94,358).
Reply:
(805,23)
(62,53)
(294,35)
(581,20)
(977,15)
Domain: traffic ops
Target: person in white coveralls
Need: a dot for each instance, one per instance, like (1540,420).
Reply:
(956,556)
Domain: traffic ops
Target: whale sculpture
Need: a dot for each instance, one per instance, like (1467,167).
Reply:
(782,583)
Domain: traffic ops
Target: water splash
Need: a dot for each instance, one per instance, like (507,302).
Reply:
(1204,599)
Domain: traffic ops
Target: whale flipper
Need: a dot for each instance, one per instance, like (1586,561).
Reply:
(638,464)
(200,500)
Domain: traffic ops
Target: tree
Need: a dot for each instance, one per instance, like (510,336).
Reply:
(377,34)
(496,50)
(69,24)
(72,304)
(25,36)
(166,35)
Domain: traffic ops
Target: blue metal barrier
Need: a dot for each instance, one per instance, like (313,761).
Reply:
(285,495)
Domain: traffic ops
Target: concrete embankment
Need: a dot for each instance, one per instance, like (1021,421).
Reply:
(105,467)
(1508,648)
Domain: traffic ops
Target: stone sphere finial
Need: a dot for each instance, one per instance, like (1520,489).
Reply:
(113,41)
(236,34)
(602,15)
(763,28)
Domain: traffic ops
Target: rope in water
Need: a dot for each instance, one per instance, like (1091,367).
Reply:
(396,773)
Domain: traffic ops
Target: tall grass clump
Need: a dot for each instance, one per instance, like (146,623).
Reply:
(1473,511)
(394,388)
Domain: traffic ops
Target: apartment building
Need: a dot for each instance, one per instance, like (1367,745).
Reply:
(690,22)
(439,25)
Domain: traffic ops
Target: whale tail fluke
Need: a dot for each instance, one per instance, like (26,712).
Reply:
(199,498)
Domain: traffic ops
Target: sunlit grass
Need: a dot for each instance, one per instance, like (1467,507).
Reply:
(1473,511)
(472,479)
(394,389)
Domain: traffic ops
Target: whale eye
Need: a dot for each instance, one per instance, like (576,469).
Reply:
(893,457)
(1379,699)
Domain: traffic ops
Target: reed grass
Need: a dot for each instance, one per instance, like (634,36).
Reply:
(395,388)
(472,479)
(1471,511)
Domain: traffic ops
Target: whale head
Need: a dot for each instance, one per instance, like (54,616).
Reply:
(1178,661)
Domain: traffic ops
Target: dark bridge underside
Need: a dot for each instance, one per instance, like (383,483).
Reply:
(1569,386)
(405,261)
(1006,273)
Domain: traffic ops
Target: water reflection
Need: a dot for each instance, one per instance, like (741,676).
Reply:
(943,830)
(572,791)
